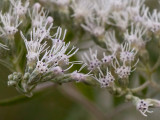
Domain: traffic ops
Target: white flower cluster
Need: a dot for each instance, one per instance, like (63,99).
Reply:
(98,14)
(143,106)
(120,27)
(19,8)
(127,56)
(10,21)
(48,55)
(10,24)
(122,66)
(54,58)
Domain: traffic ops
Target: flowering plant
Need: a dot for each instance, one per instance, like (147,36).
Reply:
(118,34)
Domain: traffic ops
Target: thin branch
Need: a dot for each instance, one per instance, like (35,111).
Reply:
(2,62)
(156,65)
(140,88)
(75,95)
(21,98)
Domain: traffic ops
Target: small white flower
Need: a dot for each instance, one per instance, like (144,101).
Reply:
(57,70)
(91,60)
(153,21)
(45,30)
(134,8)
(127,54)
(118,5)
(119,19)
(110,41)
(38,18)
(10,24)
(136,33)
(55,58)
(102,9)
(123,71)
(42,67)
(94,25)
(143,106)
(107,58)
(135,36)
(82,8)
(37,6)
(34,46)
(50,19)
(58,54)
(19,9)
(59,36)
(76,75)
(105,80)
(142,16)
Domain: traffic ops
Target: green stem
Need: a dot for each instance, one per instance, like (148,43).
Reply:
(14,100)
(22,98)
(140,88)
(155,85)
(156,65)
(2,62)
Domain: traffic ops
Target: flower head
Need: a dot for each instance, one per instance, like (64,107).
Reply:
(35,46)
(102,9)
(124,70)
(76,75)
(153,21)
(110,41)
(10,24)
(106,80)
(38,17)
(91,60)
(143,107)
(20,9)
(107,58)
(94,25)
(127,54)
(136,34)
(82,8)
(121,19)
(134,8)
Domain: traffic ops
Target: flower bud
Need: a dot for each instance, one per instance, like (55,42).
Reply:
(10,77)
(26,76)
(49,19)
(57,70)
(37,6)
(12,83)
